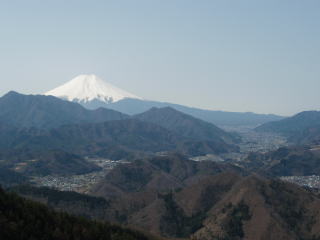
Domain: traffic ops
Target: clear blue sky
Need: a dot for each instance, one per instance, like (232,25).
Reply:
(235,55)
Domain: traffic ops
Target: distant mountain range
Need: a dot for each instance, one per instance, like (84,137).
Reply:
(92,92)
(220,118)
(303,128)
(41,123)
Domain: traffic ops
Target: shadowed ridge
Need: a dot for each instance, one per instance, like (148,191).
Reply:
(25,111)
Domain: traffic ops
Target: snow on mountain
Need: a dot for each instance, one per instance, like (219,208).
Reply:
(87,88)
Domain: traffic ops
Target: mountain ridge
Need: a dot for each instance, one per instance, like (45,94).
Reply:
(39,111)
(185,125)
(219,118)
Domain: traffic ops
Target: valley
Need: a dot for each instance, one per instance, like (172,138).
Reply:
(251,142)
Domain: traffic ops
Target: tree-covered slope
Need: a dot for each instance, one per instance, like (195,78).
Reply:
(26,220)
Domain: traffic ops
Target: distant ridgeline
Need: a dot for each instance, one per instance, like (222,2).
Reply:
(303,128)
(92,92)
(33,124)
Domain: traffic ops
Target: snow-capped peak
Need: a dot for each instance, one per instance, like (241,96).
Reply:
(86,88)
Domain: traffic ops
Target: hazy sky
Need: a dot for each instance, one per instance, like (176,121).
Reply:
(235,55)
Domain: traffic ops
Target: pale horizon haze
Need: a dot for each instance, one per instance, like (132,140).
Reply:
(260,56)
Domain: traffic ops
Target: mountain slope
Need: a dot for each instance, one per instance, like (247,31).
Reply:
(25,111)
(261,209)
(24,219)
(50,162)
(179,198)
(135,192)
(157,193)
(303,128)
(174,197)
(9,177)
(112,139)
(185,125)
(159,174)
(87,88)
(218,206)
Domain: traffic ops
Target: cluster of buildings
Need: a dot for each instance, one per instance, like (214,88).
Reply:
(261,142)
(312,181)
(78,183)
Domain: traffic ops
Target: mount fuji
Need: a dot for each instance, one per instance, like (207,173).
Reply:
(92,92)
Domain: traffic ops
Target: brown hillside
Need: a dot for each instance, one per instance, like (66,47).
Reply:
(260,209)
